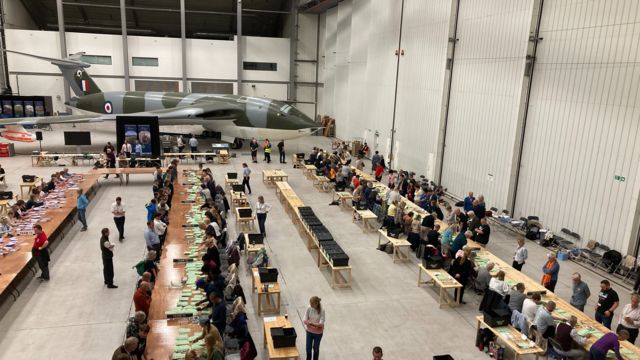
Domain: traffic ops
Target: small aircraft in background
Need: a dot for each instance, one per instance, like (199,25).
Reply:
(234,116)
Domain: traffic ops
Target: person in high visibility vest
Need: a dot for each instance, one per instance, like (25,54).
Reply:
(267,151)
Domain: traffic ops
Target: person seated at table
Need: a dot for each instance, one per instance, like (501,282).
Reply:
(355,182)
(517,297)
(358,194)
(150,266)
(146,276)
(239,322)
(570,342)
(138,319)
(143,333)
(127,349)
(530,306)
(214,346)
(205,324)
(142,298)
(14,214)
(498,284)
(22,206)
(205,193)
(414,235)
(33,202)
(51,185)
(447,240)
(544,321)
(407,219)
(389,220)
(65,173)
(5,226)
(484,277)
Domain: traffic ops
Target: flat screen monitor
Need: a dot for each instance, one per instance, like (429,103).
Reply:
(77,138)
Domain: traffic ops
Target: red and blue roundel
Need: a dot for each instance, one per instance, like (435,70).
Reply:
(108,107)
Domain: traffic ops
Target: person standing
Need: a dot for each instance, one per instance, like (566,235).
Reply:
(180,143)
(152,239)
(283,159)
(314,324)
(608,302)
(40,252)
(142,298)
(246,176)
(550,272)
(117,209)
(253,145)
(261,212)
(106,248)
(137,149)
(608,341)
(375,159)
(581,292)
(482,232)
(520,256)
(81,203)
(461,268)
(193,144)
(468,202)
(111,162)
(630,318)
(267,151)
(126,148)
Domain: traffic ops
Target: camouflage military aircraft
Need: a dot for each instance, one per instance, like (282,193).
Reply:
(233,116)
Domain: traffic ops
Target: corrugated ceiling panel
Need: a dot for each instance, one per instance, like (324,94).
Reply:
(485,91)
(582,127)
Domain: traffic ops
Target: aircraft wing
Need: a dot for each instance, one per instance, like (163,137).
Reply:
(208,109)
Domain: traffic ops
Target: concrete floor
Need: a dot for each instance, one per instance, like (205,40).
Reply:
(75,316)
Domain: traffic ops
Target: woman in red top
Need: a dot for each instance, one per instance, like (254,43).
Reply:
(379,171)
(40,251)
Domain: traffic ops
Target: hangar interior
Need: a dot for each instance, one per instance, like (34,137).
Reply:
(531,103)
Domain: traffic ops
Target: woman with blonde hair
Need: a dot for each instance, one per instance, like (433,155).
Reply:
(214,345)
(314,324)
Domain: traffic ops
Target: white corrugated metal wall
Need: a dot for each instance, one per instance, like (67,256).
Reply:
(380,78)
(341,84)
(358,46)
(330,42)
(485,90)
(582,126)
(424,41)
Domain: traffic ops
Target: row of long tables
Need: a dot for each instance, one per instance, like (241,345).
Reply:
(16,264)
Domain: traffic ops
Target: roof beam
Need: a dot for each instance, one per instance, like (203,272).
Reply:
(144,8)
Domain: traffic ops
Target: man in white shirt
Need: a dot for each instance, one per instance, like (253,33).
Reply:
(117,209)
(126,148)
(530,307)
(630,318)
(193,144)
(393,195)
(159,227)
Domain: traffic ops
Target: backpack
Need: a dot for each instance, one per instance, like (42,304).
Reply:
(139,267)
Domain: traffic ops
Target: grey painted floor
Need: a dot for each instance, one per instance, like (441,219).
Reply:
(74,316)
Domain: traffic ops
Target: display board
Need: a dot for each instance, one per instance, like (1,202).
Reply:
(142,129)
(24,106)
(78,138)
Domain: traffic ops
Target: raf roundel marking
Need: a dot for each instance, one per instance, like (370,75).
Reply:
(108,107)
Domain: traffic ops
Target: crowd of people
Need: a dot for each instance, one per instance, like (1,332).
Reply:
(226,326)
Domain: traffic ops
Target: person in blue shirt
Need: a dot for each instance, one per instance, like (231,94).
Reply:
(468,202)
(152,239)
(152,207)
(460,241)
(219,312)
(82,204)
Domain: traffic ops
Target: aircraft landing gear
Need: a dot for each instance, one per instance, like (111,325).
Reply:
(237,143)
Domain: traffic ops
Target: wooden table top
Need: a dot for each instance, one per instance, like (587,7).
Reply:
(310,167)
(238,217)
(366,214)
(13,263)
(274,173)
(512,337)
(280,353)
(104,171)
(442,278)
(162,337)
(274,287)
(392,240)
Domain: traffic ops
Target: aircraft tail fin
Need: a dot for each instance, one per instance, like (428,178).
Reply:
(73,70)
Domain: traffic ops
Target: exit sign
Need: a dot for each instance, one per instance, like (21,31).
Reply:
(619,178)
